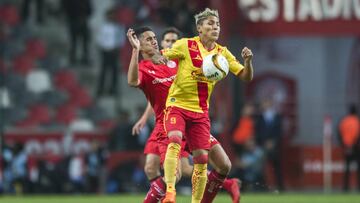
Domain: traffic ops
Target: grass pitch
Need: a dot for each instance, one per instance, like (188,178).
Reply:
(221,198)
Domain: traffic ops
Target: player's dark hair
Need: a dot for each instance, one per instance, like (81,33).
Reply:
(140,30)
(171,30)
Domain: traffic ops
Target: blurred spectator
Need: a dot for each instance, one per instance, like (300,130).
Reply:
(110,40)
(7,157)
(95,162)
(269,136)
(244,129)
(19,169)
(77,14)
(349,132)
(251,164)
(121,136)
(26,8)
(184,19)
(77,172)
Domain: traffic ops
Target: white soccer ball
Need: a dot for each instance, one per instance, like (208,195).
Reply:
(215,67)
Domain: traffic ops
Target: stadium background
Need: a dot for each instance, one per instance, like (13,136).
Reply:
(307,58)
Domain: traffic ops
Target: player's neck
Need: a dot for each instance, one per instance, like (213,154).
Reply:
(208,44)
(146,56)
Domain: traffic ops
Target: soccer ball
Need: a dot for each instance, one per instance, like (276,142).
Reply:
(215,67)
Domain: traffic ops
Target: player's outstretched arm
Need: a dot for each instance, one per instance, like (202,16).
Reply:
(248,72)
(142,121)
(133,73)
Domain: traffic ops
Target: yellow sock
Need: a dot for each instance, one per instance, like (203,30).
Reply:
(170,165)
(198,180)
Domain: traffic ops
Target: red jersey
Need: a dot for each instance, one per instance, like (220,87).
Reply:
(155,81)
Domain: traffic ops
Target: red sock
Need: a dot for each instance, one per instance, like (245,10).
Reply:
(156,191)
(214,184)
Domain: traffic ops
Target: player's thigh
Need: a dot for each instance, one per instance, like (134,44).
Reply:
(198,134)
(174,122)
(152,161)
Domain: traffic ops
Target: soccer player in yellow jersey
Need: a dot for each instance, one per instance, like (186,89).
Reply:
(188,100)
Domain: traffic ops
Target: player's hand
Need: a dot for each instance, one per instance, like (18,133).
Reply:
(159,59)
(134,41)
(138,126)
(246,54)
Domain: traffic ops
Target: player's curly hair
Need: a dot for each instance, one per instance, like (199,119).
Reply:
(204,14)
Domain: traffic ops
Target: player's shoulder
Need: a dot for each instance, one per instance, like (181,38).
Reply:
(221,47)
(182,40)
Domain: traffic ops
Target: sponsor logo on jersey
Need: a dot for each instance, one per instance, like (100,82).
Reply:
(162,80)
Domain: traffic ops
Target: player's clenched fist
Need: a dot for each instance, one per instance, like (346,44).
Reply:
(246,54)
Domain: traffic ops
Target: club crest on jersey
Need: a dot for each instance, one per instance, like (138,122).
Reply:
(171,64)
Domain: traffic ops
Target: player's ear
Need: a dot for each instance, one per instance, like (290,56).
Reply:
(198,28)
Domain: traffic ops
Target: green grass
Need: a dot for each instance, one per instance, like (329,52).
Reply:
(222,198)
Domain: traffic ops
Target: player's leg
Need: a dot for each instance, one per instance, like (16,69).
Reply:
(175,127)
(152,170)
(217,177)
(152,156)
(199,175)
(157,185)
(152,166)
(186,167)
(198,141)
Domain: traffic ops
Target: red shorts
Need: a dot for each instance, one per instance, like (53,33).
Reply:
(152,146)
(213,142)
(194,126)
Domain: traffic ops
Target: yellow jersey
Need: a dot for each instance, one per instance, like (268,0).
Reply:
(191,90)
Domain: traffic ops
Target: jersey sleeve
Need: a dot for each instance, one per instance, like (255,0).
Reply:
(177,51)
(234,65)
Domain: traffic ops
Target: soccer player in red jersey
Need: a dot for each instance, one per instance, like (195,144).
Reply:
(154,81)
(218,157)
(188,100)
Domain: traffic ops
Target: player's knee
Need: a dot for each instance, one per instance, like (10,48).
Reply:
(175,139)
(201,159)
(151,171)
(226,167)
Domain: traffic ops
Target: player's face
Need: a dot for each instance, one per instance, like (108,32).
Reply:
(210,28)
(148,42)
(169,39)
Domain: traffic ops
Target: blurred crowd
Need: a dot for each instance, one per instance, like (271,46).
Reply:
(257,140)
(39,91)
